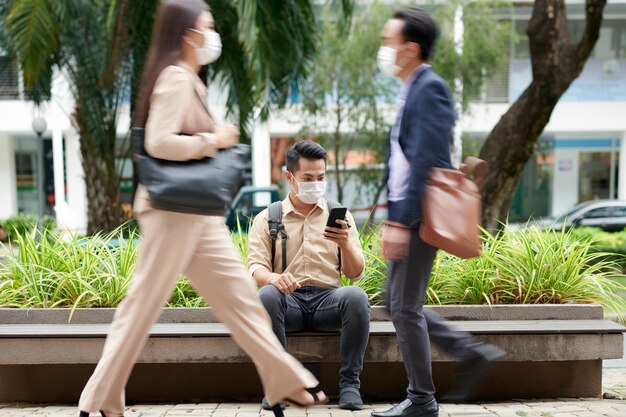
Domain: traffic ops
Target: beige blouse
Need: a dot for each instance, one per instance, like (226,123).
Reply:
(178,124)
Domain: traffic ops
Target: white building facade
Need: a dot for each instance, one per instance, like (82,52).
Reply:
(581,150)
(579,156)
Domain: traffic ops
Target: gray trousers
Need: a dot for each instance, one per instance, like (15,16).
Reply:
(344,309)
(417,327)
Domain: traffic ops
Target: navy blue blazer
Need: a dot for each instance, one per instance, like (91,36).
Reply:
(425,138)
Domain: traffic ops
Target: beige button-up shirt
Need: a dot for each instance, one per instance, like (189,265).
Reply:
(311,259)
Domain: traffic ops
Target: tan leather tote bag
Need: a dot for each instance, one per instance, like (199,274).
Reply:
(452,209)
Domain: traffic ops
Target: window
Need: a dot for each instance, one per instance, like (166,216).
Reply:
(497,87)
(619,211)
(521,49)
(595,175)
(610,45)
(599,213)
(9,86)
(612,41)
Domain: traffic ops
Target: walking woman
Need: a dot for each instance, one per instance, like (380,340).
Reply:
(179,127)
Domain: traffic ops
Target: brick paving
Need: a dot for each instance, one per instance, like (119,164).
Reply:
(585,407)
(613,405)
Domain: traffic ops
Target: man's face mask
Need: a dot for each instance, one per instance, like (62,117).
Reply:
(310,192)
(386,59)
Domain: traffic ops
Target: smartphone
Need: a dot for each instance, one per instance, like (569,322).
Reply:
(337,213)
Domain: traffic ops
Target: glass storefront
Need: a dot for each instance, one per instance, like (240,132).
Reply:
(595,176)
(533,195)
(26,176)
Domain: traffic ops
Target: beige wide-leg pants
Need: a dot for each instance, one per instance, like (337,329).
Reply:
(200,247)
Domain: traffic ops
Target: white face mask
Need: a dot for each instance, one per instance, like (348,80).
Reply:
(212,48)
(310,192)
(386,59)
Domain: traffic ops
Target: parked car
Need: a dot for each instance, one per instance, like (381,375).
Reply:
(249,201)
(608,215)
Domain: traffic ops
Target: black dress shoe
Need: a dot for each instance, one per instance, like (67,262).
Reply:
(407,409)
(472,371)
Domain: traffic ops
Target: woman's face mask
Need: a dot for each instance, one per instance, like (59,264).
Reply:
(211,50)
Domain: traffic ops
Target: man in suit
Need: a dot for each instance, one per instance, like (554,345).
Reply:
(419,141)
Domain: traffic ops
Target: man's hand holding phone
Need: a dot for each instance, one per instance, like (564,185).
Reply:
(338,235)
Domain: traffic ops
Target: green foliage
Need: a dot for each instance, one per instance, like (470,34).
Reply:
(345,100)
(240,239)
(102,47)
(90,43)
(485,45)
(530,267)
(348,104)
(24,224)
(375,277)
(525,267)
(78,272)
(610,243)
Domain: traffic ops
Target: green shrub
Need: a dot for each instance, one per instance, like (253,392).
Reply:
(530,267)
(612,244)
(75,272)
(527,267)
(24,224)
(79,272)
(375,276)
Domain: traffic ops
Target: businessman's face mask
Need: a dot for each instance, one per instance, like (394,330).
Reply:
(395,53)
(387,60)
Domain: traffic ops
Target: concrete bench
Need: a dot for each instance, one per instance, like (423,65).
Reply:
(552,351)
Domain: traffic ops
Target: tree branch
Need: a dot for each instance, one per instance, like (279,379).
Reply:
(593,22)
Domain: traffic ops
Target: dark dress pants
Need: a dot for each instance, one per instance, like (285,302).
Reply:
(344,309)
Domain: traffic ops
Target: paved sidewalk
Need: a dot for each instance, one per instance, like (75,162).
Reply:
(540,408)
(614,388)
(613,405)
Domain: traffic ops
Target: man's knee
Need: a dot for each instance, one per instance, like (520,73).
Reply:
(354,299)
(271,297)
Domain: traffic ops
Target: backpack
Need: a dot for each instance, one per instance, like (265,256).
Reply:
(276,226)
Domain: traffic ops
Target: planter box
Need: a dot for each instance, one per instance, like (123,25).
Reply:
(552,351)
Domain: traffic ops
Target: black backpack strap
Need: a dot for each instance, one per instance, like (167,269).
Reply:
(276,226)
(331,205)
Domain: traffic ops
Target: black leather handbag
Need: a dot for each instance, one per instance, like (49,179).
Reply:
(198,186)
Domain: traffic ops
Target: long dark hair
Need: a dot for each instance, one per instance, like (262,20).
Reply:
(172,21)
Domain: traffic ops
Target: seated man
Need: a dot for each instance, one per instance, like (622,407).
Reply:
(299,273)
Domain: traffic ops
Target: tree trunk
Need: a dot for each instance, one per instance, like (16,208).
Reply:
(104,211)
(102,181)
(556,62)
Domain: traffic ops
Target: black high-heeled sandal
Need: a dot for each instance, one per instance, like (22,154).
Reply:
(86,414)
(278,411)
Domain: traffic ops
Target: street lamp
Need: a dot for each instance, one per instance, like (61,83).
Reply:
(39,127)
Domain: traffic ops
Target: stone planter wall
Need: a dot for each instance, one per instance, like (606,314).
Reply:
(559,364)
